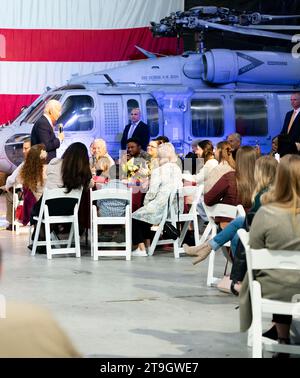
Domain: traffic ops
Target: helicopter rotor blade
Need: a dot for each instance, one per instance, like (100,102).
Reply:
(235,29)
(270,17)
(272,27)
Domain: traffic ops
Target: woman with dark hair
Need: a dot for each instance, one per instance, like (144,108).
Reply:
(204,151)
(72,171)
(73,168)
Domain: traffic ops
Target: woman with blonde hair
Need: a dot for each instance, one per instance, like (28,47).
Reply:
(152,163)
(276,226)
(164,180)
(246,157)
(99,150)
(221,186)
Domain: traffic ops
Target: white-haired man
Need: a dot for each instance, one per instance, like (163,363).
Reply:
(235,141)
(43,129)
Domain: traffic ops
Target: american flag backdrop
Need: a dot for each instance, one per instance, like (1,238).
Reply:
(45,42)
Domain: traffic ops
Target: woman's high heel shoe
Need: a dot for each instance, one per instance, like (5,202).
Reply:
(191,251)
(203,252)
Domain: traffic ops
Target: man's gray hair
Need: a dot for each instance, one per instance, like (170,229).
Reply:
(236,136)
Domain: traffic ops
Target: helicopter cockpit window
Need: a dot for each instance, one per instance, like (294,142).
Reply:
(207,118)
(152,117)
(251,117)
(37,111)
(14,148)
(76,113)
(131,104)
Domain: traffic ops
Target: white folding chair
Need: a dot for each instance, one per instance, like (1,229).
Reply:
(264,259)
(96,220)
(218,210)
(47,220)
(172,218)
(16,203)
(187,218)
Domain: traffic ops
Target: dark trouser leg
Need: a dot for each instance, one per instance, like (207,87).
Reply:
(282,319)
(140,231)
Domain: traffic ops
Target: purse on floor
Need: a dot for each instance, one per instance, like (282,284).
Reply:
(170,232)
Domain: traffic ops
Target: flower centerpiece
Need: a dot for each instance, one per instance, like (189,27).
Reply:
(136,170)
(131,169)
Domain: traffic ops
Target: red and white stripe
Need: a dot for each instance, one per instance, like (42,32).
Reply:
(49,41)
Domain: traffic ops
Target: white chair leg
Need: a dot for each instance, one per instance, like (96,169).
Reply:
(128,240)
(250,337)
(36,237)
(95,237)
(71,234)
(48,240)
(256,324)
(196,230)
(155,240)
(210,272)
(183,233)
(205,234)
(77,238)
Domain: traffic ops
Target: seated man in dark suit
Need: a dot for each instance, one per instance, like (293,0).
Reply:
(289,138)
(136,129)
(43,130)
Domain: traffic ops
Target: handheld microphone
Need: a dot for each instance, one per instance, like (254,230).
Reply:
(60,128)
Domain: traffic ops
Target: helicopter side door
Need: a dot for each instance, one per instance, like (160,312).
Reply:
(153,116)
(79,119)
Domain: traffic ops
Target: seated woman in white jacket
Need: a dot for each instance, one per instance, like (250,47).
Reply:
(164,180)
(204,151)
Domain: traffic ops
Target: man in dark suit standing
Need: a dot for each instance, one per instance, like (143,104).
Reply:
(43,129)
(289,138)
(136,129)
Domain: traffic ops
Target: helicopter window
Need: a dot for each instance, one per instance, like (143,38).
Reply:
(14,148)
(152,117)
(207,118)
(131,104)
(37,111)
(76,113)
(251,117)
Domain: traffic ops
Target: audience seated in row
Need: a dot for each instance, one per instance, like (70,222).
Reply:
(276,226)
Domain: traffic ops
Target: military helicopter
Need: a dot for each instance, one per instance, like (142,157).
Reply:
(207,94)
